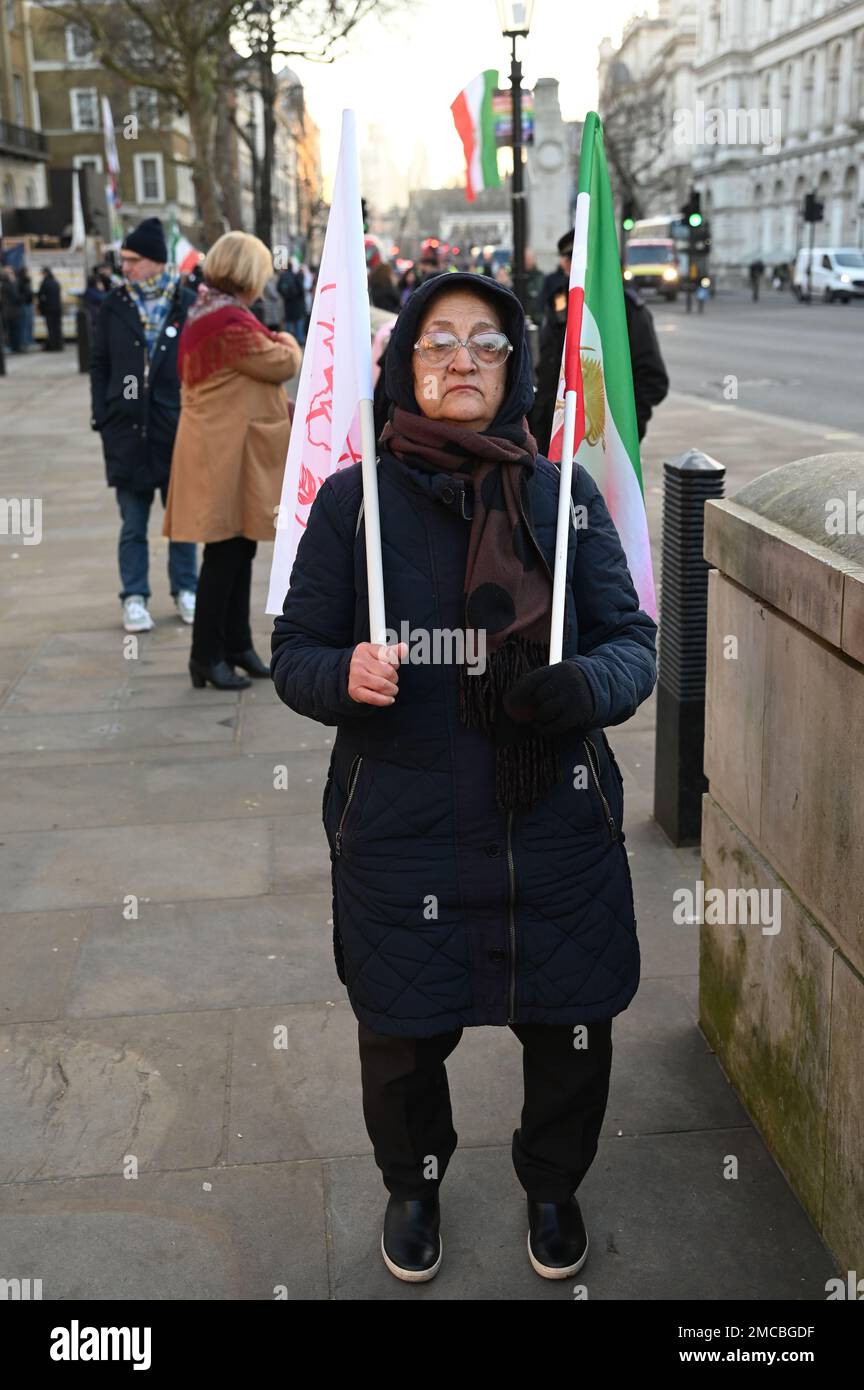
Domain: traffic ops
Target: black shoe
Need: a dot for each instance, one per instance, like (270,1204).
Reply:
(250,662)
(218,673)
(410,1243)
(557,1243)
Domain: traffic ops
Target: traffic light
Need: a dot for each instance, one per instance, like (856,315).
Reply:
(691,212)
(628,215)
(814,209)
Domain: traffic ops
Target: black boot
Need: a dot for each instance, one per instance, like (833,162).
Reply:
(250,662)
(557,1243)
(410,1244)
(218,673)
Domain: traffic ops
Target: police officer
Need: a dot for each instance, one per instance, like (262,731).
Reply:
(650,380)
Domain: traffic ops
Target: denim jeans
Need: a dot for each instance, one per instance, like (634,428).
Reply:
(297,329)
(133,553)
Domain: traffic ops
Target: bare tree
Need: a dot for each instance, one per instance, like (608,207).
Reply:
(195,53)
(637,133)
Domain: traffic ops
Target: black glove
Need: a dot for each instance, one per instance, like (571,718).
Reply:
(555,698)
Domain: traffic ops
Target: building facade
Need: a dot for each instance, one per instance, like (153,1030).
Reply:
(763,103)
(23,148)
(154,142)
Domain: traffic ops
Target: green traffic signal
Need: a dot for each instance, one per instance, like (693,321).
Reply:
(628,224)
(695,219)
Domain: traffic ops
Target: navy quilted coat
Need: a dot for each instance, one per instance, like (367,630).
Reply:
(449,912)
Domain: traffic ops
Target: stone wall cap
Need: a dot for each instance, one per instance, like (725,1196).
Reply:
(799,497)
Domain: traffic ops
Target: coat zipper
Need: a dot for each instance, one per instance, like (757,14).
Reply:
(512,873)
(595,773)
(352,783)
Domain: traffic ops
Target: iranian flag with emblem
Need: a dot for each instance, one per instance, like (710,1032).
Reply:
(596,366)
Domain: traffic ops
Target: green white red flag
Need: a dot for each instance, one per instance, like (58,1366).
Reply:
(475,123)
(596,365)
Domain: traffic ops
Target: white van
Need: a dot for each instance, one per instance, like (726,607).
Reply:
(838,273)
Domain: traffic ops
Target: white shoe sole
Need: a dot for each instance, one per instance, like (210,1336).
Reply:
(553,1271)
(138,627)
(413,1276)
(183,618)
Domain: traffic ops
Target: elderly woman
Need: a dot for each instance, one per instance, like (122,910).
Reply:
(473,811)
(229,455)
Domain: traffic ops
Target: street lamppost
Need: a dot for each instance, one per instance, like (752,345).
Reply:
(515,19)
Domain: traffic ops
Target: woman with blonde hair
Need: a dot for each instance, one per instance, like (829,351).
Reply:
(226,472)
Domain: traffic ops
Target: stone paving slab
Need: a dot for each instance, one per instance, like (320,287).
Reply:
(54,797)
(229,953)
(91,868)
(79,1096)
(208,1233)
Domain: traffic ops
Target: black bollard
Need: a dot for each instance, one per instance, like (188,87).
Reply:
(82,326)
(679,781)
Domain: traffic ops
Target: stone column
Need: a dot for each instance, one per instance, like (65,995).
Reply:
(548,176)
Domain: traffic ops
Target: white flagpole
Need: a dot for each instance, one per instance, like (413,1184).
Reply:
(372,524)
(559,579)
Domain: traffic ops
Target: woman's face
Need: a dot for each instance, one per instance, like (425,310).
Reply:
(461,392)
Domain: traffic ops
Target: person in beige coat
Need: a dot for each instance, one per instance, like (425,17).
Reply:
(229,455)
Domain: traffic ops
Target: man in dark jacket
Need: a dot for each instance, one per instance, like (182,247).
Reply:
(50,299)
(650,380)
(11,307)
(135,394)
(290,286)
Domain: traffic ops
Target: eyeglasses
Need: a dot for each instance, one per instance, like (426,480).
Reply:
(488,349)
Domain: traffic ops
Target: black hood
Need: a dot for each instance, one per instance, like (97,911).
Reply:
(398,379)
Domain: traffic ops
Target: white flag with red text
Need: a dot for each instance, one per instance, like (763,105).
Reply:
(336,372)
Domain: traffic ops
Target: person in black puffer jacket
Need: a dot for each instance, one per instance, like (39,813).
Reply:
(473,807)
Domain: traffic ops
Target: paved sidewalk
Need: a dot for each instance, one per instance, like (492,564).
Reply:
(154,1037)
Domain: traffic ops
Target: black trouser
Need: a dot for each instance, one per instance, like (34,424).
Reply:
(406,1105)
(222,601)
(54,331)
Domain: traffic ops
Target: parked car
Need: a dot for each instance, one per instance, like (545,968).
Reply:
(837,273)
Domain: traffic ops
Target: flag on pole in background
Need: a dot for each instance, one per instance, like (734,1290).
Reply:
(336,372)
(181,253)
(112,162)
(475,123)
(596,364)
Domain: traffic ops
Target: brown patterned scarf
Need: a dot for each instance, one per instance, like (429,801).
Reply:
(508,585)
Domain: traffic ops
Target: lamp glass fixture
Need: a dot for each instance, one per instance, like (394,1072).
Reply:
(514,16)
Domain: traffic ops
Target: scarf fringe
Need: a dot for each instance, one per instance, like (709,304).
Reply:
(527,770)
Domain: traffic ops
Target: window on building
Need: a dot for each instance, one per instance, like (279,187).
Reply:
(10,15)
(832,105)
(87,161)
(30,193)
(8,192)
(149,178)
(85,108)
(145,104)
(18,97)
(79,44)
(141,40)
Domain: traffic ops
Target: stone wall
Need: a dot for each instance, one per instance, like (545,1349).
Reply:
(784,757)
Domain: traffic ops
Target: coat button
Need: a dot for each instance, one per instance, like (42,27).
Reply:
(448,495)
(493,851)
(497,955)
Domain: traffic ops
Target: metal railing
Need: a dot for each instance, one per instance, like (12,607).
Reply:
(21,140)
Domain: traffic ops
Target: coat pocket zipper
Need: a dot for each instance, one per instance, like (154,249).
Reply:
(595,773)
(352,784)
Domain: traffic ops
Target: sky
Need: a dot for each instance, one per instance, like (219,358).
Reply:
(402,74)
